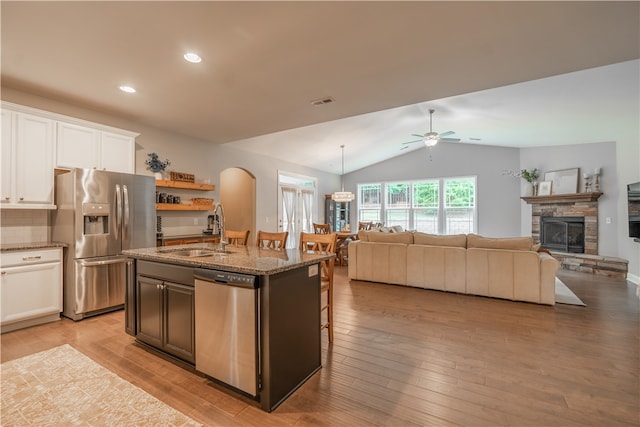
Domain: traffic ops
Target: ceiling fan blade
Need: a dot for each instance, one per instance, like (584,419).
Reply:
(449,139)
(412,142)
(415,134)
(447,133)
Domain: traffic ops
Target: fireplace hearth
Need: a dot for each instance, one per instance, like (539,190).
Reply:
(563,234)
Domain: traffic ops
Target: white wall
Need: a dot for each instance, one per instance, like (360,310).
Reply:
(498,194)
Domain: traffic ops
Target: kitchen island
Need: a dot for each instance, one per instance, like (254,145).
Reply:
(247,317)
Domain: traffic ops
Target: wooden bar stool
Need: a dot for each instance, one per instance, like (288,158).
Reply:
(272,240)
(237,238)
(323,243)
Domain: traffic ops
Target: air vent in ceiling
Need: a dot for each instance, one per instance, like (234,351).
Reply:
(322,101)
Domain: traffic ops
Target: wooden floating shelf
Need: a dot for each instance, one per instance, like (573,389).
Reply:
(562,198)
(181,207)
(185,185)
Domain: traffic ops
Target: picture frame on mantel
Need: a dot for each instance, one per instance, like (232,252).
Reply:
(544,188)
(563,181)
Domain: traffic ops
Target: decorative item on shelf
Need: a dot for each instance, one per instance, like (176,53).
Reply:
(564,181)
(156,165)
(596,179)
(587,183)
(182,177)
(529,189)
(544,188)
(202,201)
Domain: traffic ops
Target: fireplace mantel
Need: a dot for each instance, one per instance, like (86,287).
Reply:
(562,198)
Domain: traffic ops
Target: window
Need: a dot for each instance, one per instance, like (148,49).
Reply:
(370,202)
(436,206)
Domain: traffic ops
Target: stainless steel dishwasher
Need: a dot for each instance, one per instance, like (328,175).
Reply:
(226,328)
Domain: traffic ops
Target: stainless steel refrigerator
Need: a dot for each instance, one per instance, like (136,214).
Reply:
(99,214)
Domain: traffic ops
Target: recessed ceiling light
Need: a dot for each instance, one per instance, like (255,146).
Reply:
(127,89)
(192,57)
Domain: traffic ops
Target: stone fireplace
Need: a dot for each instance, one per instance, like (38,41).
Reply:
(581,207)
(567,225)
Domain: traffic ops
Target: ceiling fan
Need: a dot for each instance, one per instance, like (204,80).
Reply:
(431,138)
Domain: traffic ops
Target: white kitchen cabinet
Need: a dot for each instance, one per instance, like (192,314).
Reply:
(117,152)
(6,153)
(27,161)
(77,146)
(85,147)
(30,288)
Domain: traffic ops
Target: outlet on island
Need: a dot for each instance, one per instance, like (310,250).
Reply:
(195,221)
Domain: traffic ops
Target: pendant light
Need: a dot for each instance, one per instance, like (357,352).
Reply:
(342,196)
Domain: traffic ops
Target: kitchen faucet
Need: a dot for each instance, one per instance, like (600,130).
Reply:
(220,219)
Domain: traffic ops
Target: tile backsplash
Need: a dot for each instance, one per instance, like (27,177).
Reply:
(24,226)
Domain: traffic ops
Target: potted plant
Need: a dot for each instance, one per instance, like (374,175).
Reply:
(530,177)
(156,165)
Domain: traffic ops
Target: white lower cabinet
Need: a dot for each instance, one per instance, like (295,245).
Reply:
(30,288)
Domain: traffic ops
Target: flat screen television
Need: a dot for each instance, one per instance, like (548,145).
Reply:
(633,196)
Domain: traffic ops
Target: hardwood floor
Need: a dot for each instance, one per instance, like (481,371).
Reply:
(411,357)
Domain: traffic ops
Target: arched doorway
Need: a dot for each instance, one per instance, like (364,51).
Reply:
(238,197)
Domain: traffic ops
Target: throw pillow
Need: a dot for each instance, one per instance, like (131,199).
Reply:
(454,240)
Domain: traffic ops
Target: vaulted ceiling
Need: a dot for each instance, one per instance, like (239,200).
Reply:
(497,73)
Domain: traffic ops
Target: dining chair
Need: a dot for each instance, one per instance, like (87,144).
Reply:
(276,240)
(321,228)
(237,238)
(323,243)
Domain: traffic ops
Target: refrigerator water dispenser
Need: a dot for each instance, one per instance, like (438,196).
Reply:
(95,218)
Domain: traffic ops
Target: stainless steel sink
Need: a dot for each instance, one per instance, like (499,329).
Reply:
(195,253)
(192,253)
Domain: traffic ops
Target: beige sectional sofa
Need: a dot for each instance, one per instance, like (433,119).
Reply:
(508,268)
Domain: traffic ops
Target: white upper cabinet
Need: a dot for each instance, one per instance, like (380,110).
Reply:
(117,152)
(77,147)
(27,161)
(89,148)
(34,142)
(6,153)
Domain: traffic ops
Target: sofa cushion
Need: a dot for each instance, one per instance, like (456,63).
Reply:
(404,237)
(454,240)
(508,243)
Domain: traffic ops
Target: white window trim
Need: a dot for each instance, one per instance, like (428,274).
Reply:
(441,196)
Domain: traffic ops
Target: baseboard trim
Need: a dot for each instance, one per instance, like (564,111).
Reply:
(633,279)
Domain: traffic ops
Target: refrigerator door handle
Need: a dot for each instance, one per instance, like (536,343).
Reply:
(118,211)
(125,225)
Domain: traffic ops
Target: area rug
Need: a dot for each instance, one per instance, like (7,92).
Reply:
(63,387)
(564,295)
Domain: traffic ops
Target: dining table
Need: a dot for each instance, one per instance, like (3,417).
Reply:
(342,244)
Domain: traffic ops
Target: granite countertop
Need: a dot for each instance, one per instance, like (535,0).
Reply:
(10,247)
(240,259)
